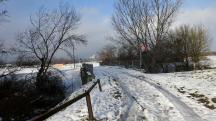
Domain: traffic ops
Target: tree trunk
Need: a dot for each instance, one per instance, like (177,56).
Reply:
(40,74)
(74,57)
(187,63)
(140,57)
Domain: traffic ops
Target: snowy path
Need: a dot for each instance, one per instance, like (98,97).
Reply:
(185,110)
(150,103)
(133,111)
(129,95)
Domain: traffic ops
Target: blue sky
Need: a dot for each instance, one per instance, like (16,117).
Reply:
(194,4)
(96,19)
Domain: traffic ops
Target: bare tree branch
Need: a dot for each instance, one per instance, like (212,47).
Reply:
(50,31)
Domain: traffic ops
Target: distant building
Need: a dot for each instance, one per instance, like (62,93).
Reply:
(93,57)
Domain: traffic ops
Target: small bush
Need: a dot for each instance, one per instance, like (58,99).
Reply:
(5,84)
(15,98)
(22,100)
(52,85)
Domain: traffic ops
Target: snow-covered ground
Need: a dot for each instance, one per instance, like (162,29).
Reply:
(197,89)
(62,67)
(209,61)
(70,75)
(130,95)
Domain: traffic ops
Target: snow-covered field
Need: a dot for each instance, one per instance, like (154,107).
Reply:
(211,60)
(61,67)
(70,75)
(130,95)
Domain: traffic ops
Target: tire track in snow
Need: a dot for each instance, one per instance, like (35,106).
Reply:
(185,110)
(136,110)
(124,117)
(131,99)
(132,102)
(126,89)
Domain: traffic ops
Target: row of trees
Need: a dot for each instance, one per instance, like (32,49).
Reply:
(183,45)
(143,32)
(189,43)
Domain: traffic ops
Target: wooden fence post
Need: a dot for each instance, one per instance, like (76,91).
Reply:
(67,102)
(90,112)
(99,84)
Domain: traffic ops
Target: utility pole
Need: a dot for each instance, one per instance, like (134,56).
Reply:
(74,57)
(140,56)
(140,53)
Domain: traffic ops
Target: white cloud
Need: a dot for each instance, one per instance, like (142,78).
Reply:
(97,27)
(94,24)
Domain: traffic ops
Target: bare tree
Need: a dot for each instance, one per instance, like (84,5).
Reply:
(108,54)
(144,22)
(183,42)
(128,20)
(50,31)
(199,43)
(190,42)
(71,55)
(127,55)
